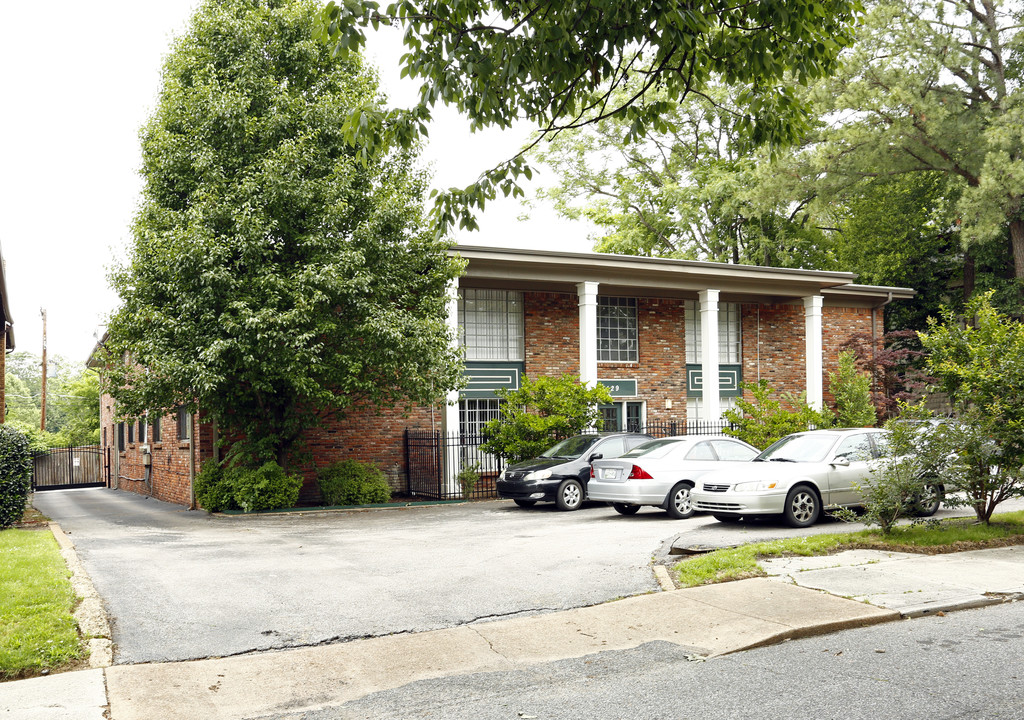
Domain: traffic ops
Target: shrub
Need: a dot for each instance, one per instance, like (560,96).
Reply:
(852,391)
(468,478)
(268,487)
(764,419)
(213,488)
(899,480)
(15,475)
(541,412)
(351,482)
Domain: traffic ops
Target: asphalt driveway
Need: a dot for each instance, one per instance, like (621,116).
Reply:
(180,585)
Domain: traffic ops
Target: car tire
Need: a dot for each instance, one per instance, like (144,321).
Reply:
(569,495)
(727,518)
(802,507)
(928,503)
(678,504)
(524,503)
(624,509)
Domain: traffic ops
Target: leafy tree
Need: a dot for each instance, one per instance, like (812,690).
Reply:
(934,87)
(685,191)
(540,412)
(72,400)
(852,392)
(559,66)
(978,359)
(763,419)
(894,363)
(274,280)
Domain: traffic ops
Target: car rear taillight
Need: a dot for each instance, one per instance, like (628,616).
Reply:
(638,473)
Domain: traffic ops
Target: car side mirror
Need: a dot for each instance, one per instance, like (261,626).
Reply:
(841,461)
(596,456)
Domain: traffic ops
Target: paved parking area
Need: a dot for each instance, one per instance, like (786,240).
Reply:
(181,585)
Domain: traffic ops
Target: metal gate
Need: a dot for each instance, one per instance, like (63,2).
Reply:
(68,467)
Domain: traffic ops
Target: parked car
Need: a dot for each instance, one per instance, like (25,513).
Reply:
(663,472)
(562,472)
(798,476)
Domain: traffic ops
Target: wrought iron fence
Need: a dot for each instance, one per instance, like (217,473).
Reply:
(430,454)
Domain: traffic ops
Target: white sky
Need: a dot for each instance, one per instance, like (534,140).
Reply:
(77,90)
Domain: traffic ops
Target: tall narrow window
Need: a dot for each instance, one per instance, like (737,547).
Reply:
(184,424)
(120,437)
(491,324)
(156,427)
(616,330)
(131,432)
(729,333)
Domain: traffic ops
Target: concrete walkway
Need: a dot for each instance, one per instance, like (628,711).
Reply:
(803,597)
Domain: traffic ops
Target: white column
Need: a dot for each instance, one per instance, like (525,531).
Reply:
(450,416)
(710,388)
(588,332)
(812,322)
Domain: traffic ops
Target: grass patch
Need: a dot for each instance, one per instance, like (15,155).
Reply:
(952,535)
(37,631)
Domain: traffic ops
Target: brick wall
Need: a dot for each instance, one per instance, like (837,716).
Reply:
(168,477)
(773,349)
(551,333)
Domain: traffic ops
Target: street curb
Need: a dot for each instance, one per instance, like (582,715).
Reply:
(90,613)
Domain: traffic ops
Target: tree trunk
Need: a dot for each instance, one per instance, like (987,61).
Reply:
(1017,241)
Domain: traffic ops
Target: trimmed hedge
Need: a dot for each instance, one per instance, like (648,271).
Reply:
(238,488)
(351,482)
(15,475)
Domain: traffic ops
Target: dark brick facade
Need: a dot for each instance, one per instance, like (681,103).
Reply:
(773,348)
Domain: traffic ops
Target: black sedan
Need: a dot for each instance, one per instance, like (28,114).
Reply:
(562,472)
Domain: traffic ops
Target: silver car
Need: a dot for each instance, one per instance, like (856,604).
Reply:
(795,477)
(663,472)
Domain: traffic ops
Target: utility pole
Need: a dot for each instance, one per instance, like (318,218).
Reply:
(42,414)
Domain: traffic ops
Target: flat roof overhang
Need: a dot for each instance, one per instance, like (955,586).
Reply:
(545,270)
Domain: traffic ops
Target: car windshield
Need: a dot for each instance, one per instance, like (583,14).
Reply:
(571,447)
(654,448)
(798,448)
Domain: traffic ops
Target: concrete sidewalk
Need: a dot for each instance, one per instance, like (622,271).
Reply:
(805,596)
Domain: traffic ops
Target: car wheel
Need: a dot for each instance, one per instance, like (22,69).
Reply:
(679,505)
(928,502)
(623,509)
(802,507)
(570,495)
(728,518)
(524,503)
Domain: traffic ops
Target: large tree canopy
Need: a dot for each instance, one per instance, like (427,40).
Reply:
(688,191)
(934,86)
(274,280)
(560,65)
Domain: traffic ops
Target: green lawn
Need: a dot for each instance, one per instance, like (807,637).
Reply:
(949,536)
(37,631)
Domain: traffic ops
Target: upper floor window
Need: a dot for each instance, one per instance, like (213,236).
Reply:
(616,330)
(491,324)
(184,424)
(729,333)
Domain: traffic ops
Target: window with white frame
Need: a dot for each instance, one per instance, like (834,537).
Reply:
(617,330)
(491,324)
(729,333)
(695,412)
(474,413)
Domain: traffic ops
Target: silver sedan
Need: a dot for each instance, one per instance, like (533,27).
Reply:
(663,472)
(796,477)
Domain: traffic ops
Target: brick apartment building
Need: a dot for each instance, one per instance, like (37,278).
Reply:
(671,339)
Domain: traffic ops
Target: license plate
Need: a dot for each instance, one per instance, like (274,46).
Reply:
(608,473)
